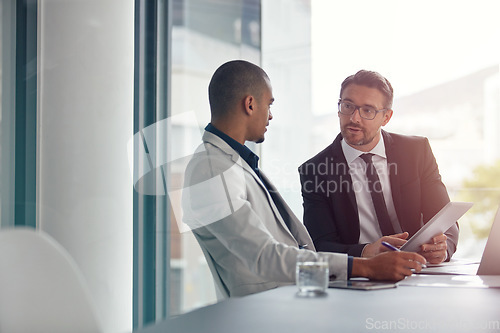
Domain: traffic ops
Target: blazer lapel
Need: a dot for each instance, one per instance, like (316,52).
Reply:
(294,227)
(393,163)
(274,208)
(341,172)
(236,158)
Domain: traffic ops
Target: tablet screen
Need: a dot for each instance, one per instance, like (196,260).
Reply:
(441,222)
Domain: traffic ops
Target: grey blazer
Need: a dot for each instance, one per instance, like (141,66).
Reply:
(249,245)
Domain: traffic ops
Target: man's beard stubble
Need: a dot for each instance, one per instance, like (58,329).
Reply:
(362,142)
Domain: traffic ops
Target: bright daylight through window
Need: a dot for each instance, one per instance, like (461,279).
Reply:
(443,60)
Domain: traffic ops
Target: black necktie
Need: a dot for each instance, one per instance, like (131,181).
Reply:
(375,188)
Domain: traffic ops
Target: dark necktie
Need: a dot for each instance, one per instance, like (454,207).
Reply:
(375,188)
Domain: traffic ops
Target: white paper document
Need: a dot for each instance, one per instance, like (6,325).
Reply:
(455,266)
(459,281)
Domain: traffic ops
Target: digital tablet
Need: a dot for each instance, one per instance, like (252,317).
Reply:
(441,222)
(360,285)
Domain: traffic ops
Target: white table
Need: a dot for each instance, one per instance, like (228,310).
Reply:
(404,309)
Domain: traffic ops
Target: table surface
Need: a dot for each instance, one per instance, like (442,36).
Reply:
(405,308)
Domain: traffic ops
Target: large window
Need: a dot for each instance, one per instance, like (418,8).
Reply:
(442,58)
(18,77)
(205,34)
(6,118)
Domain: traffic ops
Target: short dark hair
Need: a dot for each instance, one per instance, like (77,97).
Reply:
(231,82)
(371,80)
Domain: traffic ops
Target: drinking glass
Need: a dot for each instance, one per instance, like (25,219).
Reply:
(312,274)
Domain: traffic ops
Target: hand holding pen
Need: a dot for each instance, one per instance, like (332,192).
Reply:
(393,248)
(390,247)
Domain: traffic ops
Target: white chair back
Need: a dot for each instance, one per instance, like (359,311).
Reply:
(41,288)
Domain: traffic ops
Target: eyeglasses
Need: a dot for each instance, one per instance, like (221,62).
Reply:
(365,112)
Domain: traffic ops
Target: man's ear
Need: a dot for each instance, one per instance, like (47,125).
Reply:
(249,102)
(387,117)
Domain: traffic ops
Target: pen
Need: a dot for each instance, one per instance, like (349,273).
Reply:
(391,247)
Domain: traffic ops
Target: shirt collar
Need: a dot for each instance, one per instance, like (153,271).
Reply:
(351,153)
(242,150)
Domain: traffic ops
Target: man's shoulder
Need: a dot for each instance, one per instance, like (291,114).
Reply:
(406,149)
(404,140)
(208,161)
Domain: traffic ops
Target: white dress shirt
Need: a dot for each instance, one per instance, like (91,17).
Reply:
(369,227)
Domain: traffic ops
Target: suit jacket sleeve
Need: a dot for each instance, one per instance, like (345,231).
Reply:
(322,209)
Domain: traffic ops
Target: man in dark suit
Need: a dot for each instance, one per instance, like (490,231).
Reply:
(369,185)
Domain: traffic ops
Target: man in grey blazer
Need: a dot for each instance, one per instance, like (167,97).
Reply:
(248,234)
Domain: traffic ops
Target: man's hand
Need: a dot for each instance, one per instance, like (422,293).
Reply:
(435,252)
(375,248)
(389,266)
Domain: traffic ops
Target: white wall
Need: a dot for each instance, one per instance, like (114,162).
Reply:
(85,120)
